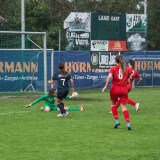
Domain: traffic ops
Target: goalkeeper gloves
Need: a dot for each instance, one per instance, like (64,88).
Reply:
(29,105)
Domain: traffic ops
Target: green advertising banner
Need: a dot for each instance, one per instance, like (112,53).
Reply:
(136,23)
(77,26)
(77,41)
(108,26)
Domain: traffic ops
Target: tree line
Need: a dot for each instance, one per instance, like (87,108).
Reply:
(49,15)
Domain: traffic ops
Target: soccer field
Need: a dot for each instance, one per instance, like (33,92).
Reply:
(30,134)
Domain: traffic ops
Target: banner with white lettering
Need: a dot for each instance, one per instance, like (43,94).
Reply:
(77,41)
(136,28)
(21,70)
(79,67)
(85,77)
(18,69)
(147,63)
(136,23)
(117,45)
(103,60)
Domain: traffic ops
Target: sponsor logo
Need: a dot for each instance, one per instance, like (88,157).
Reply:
(94,59)
(117,45)
(99,45)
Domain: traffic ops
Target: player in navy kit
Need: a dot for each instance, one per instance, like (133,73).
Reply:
(62,77)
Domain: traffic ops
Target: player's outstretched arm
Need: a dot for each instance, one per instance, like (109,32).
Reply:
(107,82)
(128,80)
(72,83)
(51,81)
(36,101)
(29,105)
(140,80)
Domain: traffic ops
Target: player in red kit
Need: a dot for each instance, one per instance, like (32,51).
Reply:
(120,79)
(133,74)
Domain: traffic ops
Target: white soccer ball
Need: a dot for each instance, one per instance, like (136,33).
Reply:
(75,95)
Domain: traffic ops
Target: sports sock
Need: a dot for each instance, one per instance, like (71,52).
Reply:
(117,104)
(117,122)
(131,102)
(61,107)
(74,109)
(114,112)
(126,116)
(128,125)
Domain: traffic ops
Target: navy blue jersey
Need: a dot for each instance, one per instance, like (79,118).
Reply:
(62,80)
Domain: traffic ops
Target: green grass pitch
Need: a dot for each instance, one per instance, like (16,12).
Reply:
(30,134)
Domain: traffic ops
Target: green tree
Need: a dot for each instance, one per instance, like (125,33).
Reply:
(49,15)
(153,25)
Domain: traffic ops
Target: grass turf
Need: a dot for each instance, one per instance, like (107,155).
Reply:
(30,134)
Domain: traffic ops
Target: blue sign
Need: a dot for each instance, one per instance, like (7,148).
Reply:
(19,69)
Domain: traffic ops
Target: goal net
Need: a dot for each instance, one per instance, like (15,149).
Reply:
(23,61)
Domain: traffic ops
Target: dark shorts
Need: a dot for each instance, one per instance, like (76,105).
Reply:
(62,93)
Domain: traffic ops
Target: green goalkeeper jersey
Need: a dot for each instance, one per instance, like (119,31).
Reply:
(49,101)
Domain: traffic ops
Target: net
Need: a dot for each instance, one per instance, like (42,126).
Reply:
(23,61)
(14,41)
(19,69)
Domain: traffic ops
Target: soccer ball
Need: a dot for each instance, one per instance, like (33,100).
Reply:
(75,95)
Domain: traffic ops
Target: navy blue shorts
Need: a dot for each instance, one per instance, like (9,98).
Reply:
(62,93)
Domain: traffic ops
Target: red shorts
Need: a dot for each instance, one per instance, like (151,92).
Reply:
(129,86)
(119,92)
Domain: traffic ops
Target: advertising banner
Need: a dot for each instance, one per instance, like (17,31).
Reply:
(147,63)
(117,45)
(136,23)
(103,60)
(79,67)
(99,45)
(78,31)
(77,41)
(136,41)
(19,68)
(77,21)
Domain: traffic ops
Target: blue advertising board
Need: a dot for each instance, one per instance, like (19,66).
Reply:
(17,69)
(78,64)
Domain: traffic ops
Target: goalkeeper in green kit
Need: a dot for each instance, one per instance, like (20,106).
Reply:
(49,104)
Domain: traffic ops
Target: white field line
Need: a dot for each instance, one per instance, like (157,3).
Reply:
(14,112)
(19,96)
(7,97)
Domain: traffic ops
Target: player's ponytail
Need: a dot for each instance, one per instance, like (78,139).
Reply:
(132,63)
(120,61)
(61,69)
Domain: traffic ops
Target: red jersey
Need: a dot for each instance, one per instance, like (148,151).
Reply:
(119,79)
(133,74)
